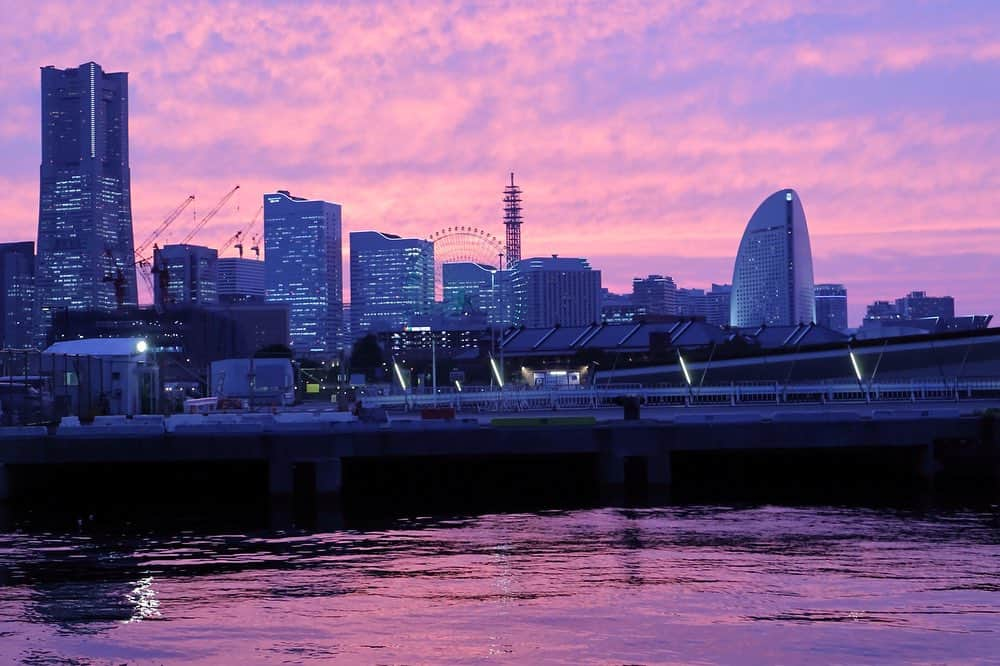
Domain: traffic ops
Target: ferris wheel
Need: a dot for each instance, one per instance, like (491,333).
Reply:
(455,244)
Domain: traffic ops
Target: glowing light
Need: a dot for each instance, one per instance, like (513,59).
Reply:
(399,375)
(854,362)
(496,371)
(684,368)
(458,386)
(141,346)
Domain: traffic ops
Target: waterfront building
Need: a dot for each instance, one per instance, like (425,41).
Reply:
(556,290)
(654,295)
(85,245)
(302,268)
(185,275)
(241,280)
(918,304)
(831,306)
(17,294)
(392,281)
(773,275)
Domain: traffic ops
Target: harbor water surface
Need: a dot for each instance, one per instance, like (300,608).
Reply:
(708,584)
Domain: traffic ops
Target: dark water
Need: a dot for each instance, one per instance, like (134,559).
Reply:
(678,584)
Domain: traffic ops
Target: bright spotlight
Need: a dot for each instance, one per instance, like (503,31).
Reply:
(141,346)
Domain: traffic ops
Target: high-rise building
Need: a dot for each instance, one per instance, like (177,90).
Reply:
(241,280)
(654,295)
(17,294)
(85,251)
(772,275)
(691,302)
(717,304)
(302,267)
(471,287)
(392,281)
(556,290)
(185,275)
(831,306)
(918,304)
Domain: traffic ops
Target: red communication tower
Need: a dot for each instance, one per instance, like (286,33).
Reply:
(512,221)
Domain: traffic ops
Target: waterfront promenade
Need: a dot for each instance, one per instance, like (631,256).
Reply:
(321,454)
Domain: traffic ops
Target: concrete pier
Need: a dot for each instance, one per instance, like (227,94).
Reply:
(657,454)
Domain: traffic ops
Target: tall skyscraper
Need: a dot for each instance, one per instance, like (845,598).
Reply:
(556,290)
(831,306)
(185,275)
(772,275)
(302,266)
(241,280)
(654,295)
(17,294)
(85,247)
(392,281)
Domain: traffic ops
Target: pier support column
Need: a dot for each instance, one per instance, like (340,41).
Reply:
(4,483)
(280,477)
(329,477)
(611,470)
(659,473)
(928,466)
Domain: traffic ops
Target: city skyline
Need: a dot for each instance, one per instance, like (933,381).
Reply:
(627,155)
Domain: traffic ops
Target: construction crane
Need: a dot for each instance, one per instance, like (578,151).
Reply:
(236,240)
(143,248)
(204,220)
(115,274)
(255,248)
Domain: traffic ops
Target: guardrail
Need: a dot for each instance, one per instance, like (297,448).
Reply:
(755,393)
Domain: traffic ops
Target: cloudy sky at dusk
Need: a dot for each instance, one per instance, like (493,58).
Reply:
(644,134)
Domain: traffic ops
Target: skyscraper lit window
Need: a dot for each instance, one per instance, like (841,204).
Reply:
(392,281)
(85,241)
(302,266)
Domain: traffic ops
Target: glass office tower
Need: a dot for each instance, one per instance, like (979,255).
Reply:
(302,268)
(392,281)
(85,253)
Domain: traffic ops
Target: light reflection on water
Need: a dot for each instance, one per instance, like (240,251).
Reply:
(678,584)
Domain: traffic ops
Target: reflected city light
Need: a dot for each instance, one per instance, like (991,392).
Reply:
(145,605)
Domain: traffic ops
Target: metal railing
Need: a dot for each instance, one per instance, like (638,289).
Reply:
(736,393)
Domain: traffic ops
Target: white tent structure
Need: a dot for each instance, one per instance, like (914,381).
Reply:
(102,376)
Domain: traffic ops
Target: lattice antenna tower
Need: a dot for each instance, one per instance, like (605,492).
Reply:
(512,221)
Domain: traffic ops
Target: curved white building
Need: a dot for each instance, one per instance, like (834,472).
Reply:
(773,275)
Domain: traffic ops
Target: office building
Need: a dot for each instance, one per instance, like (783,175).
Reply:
(185,275)
(772,275)
(555,290)
(918,304)
(85,252)
(392,282)
(17,294)
(711,306)
(654,295)
(241,280)
(831,306)
(302,268)
(469,287)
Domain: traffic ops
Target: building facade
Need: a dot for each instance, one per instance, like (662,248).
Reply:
(918,304)
(831,306)
(302,268)
(185,275)
(469,287)
(241,280)
(392,282)
(17,294)
(773,275)
(551,291)
(655,295)
(85,246)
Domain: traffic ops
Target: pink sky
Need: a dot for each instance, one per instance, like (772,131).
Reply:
(644,134)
